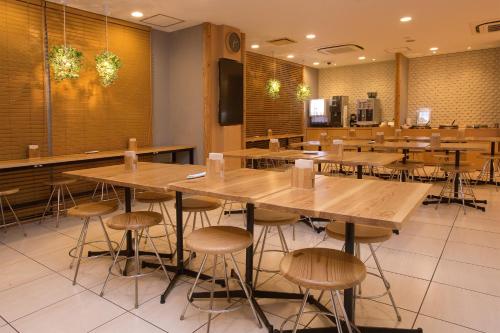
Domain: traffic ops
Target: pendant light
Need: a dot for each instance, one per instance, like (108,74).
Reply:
(273,85)
(107,63)
(65,60)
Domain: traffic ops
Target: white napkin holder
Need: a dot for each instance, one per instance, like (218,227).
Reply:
(215,166)
(303,174)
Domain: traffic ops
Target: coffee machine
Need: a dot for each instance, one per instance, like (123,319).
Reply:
(339,112)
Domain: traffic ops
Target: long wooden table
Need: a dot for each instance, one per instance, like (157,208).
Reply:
(369,202)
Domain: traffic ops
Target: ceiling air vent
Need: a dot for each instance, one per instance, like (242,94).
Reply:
(340,49)
(162,21)
(282,41)
(487,27)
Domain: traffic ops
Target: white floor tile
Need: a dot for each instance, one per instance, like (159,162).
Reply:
(79,313)
(406,263)
(2,322)
(127,323)
(9,256)
(32,296)
(469,276)
(473,254)
(22,271)
(475,237)
(444,215)
(478,223)
(7,329)
(462,307)
(431,325)
(42,243)
(415,244)
(422,229)
(371,313)
(91,272)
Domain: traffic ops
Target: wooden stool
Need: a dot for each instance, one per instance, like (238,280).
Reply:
(59,186)
(485,170)
(156,198)
(198,204)
(219,241)
(268,219)
(86,212)
(134,222)
(104,187)
(230,203)
(462,175)
(440,159)
(366,235)
(3,197)
(408,169)
(326,270)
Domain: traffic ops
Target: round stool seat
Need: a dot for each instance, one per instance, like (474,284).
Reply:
(322,269)
(154,197)
(8,192)
(460,169)
(444,156)
(134,220)
(199,203)
(362,233)
(62,181)
(488,156)
(93,209)
(274,218)
(218,240)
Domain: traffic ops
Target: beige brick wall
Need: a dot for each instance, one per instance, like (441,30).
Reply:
(464,86)
(356,81)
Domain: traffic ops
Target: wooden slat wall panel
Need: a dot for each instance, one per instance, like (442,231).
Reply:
(87,116)
(283,115)
(22,104)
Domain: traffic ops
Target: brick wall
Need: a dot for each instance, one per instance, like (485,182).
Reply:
(355,81)
(464,86)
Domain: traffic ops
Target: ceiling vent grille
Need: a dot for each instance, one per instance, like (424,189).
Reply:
(487,27)
(340,49)
(162,21)
(282,41)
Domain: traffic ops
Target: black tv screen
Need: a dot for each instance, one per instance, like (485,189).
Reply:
(230,92)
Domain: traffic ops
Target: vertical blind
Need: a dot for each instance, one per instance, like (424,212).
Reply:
(284,115)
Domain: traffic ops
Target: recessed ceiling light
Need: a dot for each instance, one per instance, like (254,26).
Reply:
(434,49)
(316,63)
(374,59)
(290,56)
(254,46)
(137,14)
(311,36)
(362,58)
(405,19)
(335,64)
(469,47)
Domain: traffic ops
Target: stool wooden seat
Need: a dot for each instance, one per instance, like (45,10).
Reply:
(134,220)
(11,191)
(61,181)
(218,240)
(199,203)
(274,218)
(444,156)
(323,269)
(93,209)
(363,234)
(154,197)
(408,169)
(87,211)
(409,165)
(462,168)
(4,197)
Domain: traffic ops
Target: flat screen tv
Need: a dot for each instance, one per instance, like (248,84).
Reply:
(230,92)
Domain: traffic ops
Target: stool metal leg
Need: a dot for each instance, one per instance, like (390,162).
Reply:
(386,283)
(166,228)
(48,204)
(347,321)
(336,313)
(14,214)
(260,255)
(81,246)
(3,216)
(110,247)
(155,249)
(245,289)
(212,293)
(191,291)
(301,311)
(114,263)
(137,268)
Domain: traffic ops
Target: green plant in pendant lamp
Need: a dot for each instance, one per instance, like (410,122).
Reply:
(303,92)
(66,61)
(107,64)
(273,88)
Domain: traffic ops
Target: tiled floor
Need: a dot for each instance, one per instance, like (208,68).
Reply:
(444,269)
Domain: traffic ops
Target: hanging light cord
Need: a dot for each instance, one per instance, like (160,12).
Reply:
(64,24)
(106,33)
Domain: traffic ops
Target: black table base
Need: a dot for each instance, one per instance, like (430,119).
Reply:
(434,200)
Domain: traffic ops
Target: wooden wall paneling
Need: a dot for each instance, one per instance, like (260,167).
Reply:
(207,87)
(22,102)
(85,115)
(284,114)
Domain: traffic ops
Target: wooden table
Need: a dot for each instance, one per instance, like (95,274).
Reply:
(148,176)
(361,159)
(457,148)
(9,165)
(370,202)
(286,137)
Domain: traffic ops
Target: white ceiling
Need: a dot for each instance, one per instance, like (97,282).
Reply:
(373,24)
